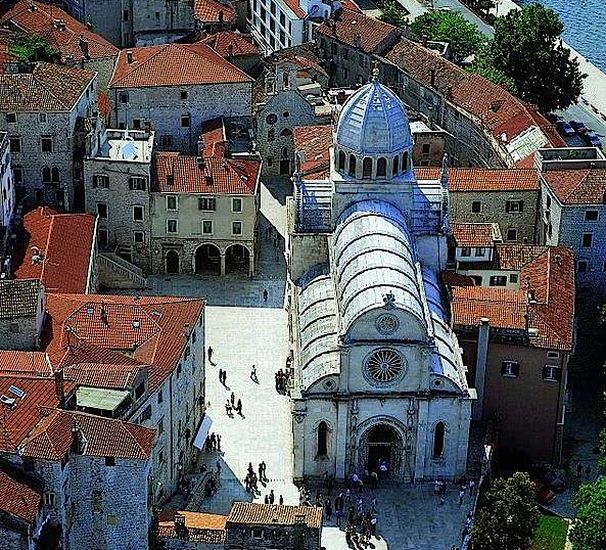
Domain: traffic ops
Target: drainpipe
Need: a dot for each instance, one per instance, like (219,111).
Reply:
(481,360)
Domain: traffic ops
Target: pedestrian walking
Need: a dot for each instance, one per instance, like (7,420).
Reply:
(228,409)
(472,487)
(281,500)
(224,377)
(373,526)
(213,442)
(253,374)
(328,509)
(265,295)
(266,499)
(219,468)
(210,355)
(221,376)
(232,398)
(219,443)
(260,470)
(461,496)
(239,407)
(264,470)
(272,497)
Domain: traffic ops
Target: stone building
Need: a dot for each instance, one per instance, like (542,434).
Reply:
(218,15)
(21,314)
(238,48)
(573,197)
(205,213)
(508,197)
(117,176)
(514,317)
(378,375)
(77,44)
(43,111)
(174,88)
(7,188)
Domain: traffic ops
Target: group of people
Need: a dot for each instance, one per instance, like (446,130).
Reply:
(251,481)
(281,382)
(232,405)
(213,443)
(464,486)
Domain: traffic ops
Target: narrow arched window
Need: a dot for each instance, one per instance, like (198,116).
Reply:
(46,175)
(396,165)
(352,165)
(405,162)
(367,167)
(381,167)
(438,440)
(322,439)
(341,160)
(55,175)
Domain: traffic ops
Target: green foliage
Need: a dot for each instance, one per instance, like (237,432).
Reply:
(508,516)
(527,48)
(480,6)
(550,533)
(589,529)
(449,26)
(32,47)
(394,13)
(483,67)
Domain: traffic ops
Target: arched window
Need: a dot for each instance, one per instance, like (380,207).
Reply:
(46,175)
(322,439)
(271,134)
(381,167)
(396,165)
(341,160)
(286,132)
(405,162)
(367,167)
(352,165)
(55,175)
(438,440)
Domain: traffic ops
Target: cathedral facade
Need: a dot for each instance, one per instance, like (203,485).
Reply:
(378,372)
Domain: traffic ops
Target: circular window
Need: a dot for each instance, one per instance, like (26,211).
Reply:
(272,118)
(384,366)
(387,324)
(329,385)
(285,114)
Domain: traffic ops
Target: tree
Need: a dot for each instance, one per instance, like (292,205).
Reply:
(32,47)
(508,516)
(463,37)
(481,5)
(394,13)
(527,47)
(483,67)
(589,529)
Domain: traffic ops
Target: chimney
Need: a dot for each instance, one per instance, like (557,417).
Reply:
(84,46)
(104,318)
(59,387)
(230,49)
(358,40)
(432,73)
(170,179)
(32,6)
(481,364)
(129,56)
(77,446)
(180,527)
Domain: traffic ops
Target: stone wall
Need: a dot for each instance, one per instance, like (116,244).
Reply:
(18,333)
(161,18)
(299,537)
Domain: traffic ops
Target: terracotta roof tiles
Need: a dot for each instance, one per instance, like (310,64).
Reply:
(228,43)
(202,527)
(35,363)
(475,234)
(252,513)
(314,142)
(577,186)
(213,11)
(484,179)
(19,499)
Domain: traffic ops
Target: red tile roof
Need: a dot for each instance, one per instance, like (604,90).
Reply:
(475,234)
(19,499)
(52,437)
(160,336)
(314,142)
(49,87)
(577,186)
(209,11)
(201,527)
(227,43)
(374,35)
(66,39)
(35,363)
(174,65)
(47,231)
(547,271)
(95,375)
(217,176)
(105,106)
(484,179)
(252,513)
(213,138)
(17,423)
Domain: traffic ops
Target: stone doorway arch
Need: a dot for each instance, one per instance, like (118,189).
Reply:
(238,259)
(172,262)
(382,440)
(207,259)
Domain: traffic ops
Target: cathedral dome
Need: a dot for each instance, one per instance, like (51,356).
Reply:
(374,122)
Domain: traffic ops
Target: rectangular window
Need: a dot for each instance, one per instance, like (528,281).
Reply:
(123,96)
(137,183)
(103,236)
(257,533)
(587,240)
(11,118)
(498,280)
(49,499)
(591,215)
(553,355)
(514,206)
(604,266)
(548,201)
(102,210)
(161,426)
(138,237)
(476,207)
(510,368)
(46,144)
(136,123)
(160,397)
(236,228)
(183,94)
(513,278)
(236,205)
(172,203)
(479,251)
(512,234)
(161,457)
(207,227)
(15,144)
(166,140)
(172,226)
(207,203)
(125,15)
(146,414)
(138,213)
(425,149)
(110,461)
(185,121)
(582,266)
(466,251)
(18,175)
(551,373)
(101,181)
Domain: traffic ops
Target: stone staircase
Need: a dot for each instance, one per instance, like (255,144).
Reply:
(116,273)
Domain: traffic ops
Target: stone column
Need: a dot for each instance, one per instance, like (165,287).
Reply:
(299,412)
(251,264)
(422,437)
(481,360)
(341,439)
(222,264)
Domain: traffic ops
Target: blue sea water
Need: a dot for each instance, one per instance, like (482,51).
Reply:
(584,26)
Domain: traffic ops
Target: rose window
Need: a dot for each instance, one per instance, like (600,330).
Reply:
(384,366)
(387,324)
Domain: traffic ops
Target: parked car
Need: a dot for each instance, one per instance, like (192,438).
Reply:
(578,126)
(564,128)
(592,139)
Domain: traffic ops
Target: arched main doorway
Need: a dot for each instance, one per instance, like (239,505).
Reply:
(207,259)
(237,259)
(381,443)
(172,262)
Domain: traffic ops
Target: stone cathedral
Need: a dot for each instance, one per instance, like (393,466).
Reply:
(378,372)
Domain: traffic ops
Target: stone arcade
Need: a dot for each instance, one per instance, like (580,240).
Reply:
(378,372)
